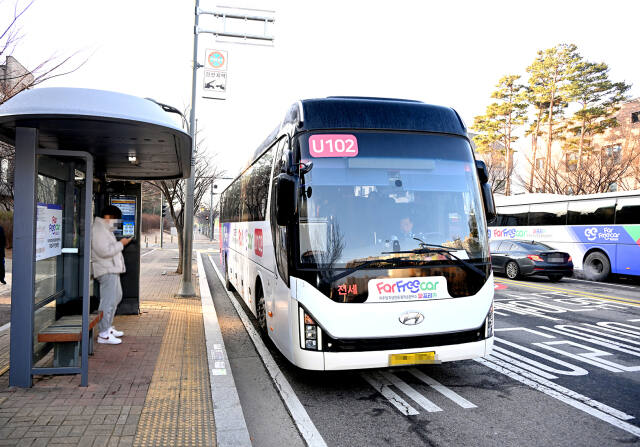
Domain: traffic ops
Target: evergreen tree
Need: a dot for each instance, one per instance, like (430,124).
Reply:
(599,99)
(497,127)
(550,76)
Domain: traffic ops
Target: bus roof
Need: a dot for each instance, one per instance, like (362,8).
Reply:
(527,199)
(349,112)
(356,112)
(366,113)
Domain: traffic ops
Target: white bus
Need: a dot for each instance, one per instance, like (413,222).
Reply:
(601,232)
(357,236)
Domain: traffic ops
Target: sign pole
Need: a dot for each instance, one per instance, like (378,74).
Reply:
(186,286)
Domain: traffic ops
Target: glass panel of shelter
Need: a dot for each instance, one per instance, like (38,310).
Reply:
(59,224)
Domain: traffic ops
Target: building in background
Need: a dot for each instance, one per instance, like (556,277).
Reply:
(610,163)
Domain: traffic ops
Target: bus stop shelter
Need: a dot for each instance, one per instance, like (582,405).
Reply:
(69,144)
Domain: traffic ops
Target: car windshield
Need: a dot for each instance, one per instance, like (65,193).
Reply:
(397,193)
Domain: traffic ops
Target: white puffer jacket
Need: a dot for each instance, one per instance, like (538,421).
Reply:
(106,251)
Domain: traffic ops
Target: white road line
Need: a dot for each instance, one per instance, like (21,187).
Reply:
(520,364)
(464,403)
(391,395)
(6,326)
(563,398)
(413,394)
(602,283)
(300,416)
(547,384)
(148,253)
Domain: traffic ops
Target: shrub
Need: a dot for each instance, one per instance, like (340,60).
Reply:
(150,222)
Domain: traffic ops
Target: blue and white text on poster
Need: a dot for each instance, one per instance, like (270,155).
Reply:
(48,231)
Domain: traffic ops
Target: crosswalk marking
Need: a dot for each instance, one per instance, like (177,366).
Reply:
(464,403)
(391,396)
(382,381)
(413,394)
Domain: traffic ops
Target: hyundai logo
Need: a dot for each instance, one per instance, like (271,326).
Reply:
(411,318)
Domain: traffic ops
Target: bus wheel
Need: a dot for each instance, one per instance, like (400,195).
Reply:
(512,270)
(597,266)
(227,282)
(261,312)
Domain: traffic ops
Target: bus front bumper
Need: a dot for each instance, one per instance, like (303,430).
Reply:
(380,359)
(333,361)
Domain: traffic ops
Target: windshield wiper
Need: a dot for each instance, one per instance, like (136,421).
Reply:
(364,264)
(434,248)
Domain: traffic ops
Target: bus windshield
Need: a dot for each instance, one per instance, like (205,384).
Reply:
(393,193)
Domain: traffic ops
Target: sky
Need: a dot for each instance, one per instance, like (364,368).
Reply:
(446,53)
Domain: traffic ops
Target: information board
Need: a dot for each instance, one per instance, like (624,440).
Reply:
(127,206)
(48,230)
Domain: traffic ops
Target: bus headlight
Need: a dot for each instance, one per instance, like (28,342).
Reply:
(310,332)
(488,324)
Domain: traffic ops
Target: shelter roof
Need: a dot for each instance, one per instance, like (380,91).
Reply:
(112,126)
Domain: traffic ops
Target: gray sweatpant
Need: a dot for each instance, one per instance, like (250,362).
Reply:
(110,296)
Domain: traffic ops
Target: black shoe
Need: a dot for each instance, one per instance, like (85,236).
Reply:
(3,281)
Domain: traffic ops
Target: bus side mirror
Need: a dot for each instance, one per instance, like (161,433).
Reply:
(483,174)
(285,198)
(489,204)
(487,195)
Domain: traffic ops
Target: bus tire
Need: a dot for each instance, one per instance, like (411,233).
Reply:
(597,266)
(227,281)
(512,270)
(261,311)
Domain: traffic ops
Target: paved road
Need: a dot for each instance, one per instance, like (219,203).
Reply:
(566,371)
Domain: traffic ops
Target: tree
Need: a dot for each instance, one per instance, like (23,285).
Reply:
(599,99)
(497,170)
(174,193)
(500,122)
(533,97)
(549,78)
(15,78)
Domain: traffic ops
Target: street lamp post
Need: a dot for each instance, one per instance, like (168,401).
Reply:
(186,286)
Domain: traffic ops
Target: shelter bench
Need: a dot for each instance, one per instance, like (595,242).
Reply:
(66,333)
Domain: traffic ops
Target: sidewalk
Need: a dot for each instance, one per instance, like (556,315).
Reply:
(151,390)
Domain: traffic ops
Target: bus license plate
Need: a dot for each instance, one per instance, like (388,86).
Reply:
(414,358)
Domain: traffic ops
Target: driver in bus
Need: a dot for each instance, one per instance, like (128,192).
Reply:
(404,241)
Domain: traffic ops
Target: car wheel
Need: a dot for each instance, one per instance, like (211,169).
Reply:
(554,278)
(512,270)
(597,266)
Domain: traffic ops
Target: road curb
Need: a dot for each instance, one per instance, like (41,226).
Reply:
(231,427)
(303,422)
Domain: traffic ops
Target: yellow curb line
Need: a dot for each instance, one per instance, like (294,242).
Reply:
(4,370)
(577,293)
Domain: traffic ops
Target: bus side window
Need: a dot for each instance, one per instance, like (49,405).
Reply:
(591,212)
(628,210)
(515,215)
(279,232)
(554,213)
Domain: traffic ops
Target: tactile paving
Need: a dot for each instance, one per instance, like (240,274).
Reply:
(178,410)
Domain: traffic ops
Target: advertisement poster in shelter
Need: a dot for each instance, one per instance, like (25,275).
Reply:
(48,231)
